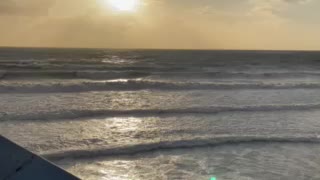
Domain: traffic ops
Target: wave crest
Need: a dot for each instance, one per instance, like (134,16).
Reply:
(144,85)
(180,144)
(74,114)
(134,72)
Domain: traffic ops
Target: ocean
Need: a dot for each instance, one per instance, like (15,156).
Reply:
(165,114)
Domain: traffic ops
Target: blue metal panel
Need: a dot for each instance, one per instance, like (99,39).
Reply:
(16,163)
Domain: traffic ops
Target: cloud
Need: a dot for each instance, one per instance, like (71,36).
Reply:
(297,1)
(272,11)
(25,7)
(8,7)
(203,24)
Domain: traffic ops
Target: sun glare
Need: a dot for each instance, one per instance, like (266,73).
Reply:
(124,5)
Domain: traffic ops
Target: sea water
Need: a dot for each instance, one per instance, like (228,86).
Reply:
(165,114)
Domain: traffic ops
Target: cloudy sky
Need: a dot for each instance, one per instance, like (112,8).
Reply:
(178,24)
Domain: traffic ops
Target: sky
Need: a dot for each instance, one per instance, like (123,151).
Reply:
(162,24)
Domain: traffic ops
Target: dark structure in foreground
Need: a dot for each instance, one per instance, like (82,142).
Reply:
(16,163)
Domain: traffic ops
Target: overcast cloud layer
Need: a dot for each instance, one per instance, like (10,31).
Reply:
(179,24)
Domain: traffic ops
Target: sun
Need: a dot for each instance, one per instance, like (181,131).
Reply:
(124,5)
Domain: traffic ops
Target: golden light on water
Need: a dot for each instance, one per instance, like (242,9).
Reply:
(124,5)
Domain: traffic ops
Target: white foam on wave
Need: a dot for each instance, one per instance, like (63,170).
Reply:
(245,161)
(127,84)
(127,72)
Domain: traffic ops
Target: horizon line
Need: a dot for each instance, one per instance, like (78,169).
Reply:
(156,49)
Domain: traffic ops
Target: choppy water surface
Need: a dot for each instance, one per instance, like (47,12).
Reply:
(142,114)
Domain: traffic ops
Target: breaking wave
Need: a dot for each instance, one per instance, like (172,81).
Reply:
(74,114)
(71,74)
(179,144)
(129,85)
(135,73)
